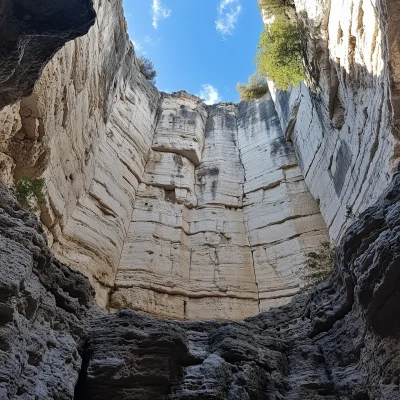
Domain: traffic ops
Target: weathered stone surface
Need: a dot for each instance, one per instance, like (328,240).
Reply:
(87,129)
(181,125)
(31,32)
(43,307)
(342,341)
(94,233)
(343,125)
(179,209)
(227,238)
(163,202)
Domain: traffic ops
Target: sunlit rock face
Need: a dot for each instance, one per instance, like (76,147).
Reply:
(216,189)
(188,211)
(223,235)
(343,123)
(87,129)
(169,206)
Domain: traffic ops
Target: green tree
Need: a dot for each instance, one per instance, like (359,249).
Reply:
(147,69)
(256,87)
(275,7)
(279,55)
(29,192)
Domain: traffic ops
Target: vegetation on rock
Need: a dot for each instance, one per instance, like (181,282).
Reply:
(319,264)
(147,69)
(275,7)
(29,192)
(256,87)
(280,51)
(279,55)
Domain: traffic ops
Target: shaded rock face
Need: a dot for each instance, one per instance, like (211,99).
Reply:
(31,33)
(343,124)
(342,341)
(168,206)
(43,308)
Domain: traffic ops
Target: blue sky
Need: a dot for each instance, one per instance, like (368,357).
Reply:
(202,46)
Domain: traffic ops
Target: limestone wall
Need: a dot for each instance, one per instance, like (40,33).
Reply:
(341,124)
(169,206)
(226,238)
(87,129)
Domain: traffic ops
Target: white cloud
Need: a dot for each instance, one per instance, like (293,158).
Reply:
(210,94)
(159,12)
(137,46)
(228,15)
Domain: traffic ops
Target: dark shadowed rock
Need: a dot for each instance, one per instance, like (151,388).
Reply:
(340,342)
(43,306)
(31,31)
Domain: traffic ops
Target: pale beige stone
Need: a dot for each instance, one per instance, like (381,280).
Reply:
(346,140)
(169,206)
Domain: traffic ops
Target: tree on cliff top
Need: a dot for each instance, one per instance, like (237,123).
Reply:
(255,88)
(275,7)
(279,55)
(147,69)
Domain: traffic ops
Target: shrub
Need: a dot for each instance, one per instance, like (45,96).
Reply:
(29,192)
(280,53)
(147,69)
(256,87)
(275,7)
(319,265)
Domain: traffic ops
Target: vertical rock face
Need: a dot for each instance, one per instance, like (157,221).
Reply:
(181,127)
(222,219)
(342,341)
(87,129)
(342,125)
(43,309)
(224,196)
(282,219)
(187,211)
(168,206)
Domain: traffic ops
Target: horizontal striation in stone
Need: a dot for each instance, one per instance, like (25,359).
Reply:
(199,245)
(343,124)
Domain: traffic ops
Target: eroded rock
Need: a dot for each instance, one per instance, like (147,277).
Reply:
(31,33)
(341,341)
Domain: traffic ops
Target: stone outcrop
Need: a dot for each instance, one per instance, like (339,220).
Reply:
(182,210)
(222,219)
(343,124)
(168,206)
(43,309)
(216,189)
(31,32)
(342,341)
(87,130)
